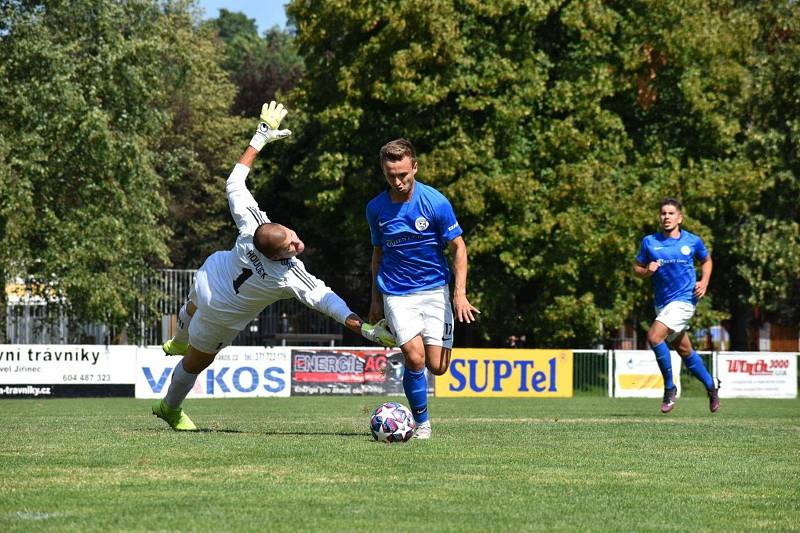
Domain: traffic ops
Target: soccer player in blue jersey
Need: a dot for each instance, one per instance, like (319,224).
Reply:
(411,224)
(668,257)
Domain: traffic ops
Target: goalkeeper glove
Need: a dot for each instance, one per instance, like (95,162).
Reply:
(271,116)
(378,333)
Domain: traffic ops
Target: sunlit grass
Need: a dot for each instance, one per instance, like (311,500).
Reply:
(311,464)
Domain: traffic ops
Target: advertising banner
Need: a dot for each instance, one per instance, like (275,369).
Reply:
(507,373)
(347,371)
(69,370)
(237,372)
(636,374)
(757,374)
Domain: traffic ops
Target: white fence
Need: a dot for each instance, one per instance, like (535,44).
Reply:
(619,373)
(33,321)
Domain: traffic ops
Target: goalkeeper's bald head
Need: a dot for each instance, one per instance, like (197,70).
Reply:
(276,241)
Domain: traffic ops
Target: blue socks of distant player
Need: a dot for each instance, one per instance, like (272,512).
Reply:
(695,365)
(664,363)
(416,388)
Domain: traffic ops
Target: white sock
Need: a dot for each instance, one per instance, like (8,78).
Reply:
(182,383)
(182,326)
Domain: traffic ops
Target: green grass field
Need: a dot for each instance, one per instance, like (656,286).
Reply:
(311,464)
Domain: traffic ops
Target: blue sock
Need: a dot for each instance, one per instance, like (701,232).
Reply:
(664,363)
(695,365)
(416,388)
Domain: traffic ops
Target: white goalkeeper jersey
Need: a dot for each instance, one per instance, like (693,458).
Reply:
(237,284)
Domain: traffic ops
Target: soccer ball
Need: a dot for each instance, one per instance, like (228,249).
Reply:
(392,422)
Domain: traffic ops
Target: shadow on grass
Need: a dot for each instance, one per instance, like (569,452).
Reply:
(291,433)
(200,430)
(317,433)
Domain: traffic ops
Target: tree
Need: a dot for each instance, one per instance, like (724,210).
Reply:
(199,147)
(261,68)
(687,83)
(765,247)
(721,81)
(99,105)
(509,123)
(554,127)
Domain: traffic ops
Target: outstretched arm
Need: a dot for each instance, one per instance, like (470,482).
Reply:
(314,293)
(332,305)
(248,157)
(244,208)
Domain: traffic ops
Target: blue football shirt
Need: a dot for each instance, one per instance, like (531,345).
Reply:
(675,278)
(413,236)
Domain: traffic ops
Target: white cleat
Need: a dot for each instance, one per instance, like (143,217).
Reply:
(423,430)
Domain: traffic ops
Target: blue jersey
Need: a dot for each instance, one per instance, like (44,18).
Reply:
(413,236)
(675,278)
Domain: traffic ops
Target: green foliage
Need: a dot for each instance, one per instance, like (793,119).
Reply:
(231,25)
(768,249)
(710,72)
(201,146)
(104,107)
(555,128)
(261,68)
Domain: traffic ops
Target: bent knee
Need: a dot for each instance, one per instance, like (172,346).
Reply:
(437,370)
(415,363)
(653,339)
(439,365)
(196,361)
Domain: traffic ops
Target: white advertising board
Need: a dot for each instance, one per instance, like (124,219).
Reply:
(44,370)
(757,374)
(66,363)
(636,374)
(237,372)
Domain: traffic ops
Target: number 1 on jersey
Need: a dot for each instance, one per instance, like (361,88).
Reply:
(246,273)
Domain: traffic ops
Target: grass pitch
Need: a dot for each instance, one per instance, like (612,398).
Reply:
(311,464)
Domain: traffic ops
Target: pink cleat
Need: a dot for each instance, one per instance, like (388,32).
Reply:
(713,400)
(669,399)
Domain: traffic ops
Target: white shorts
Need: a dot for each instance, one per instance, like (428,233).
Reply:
(208,336)
(204,334)
(676,316)
(427,313)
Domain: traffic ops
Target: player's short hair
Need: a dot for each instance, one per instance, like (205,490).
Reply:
(670,201)
(396,150)
(268,238)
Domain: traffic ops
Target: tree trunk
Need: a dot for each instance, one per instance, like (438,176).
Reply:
(740,320)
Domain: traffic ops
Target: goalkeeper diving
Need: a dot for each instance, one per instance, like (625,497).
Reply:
(234,286)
